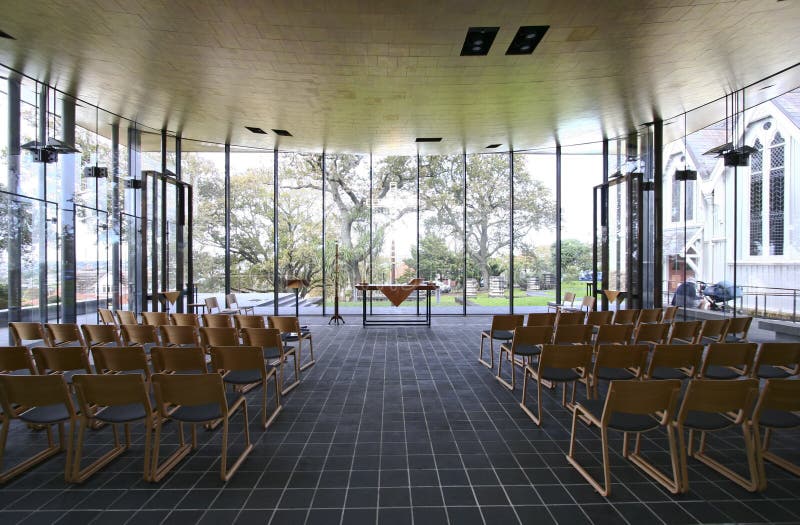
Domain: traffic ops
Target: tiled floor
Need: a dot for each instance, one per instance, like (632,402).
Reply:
(395,425)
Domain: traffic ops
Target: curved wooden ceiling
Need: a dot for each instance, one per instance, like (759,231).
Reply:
(356,76)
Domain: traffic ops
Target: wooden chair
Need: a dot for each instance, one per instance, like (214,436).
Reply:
(557,364)
(65,361)
(217,321)
(541,319)
(675,362)
(100,335)
(275,353)
(650,333)
(684,333)
(16,360)
(116,400)
(107,316)
(63,334)
(610,334)
(713,331)
(156,318)
(728,360)
(738,328)
(185,320)
(527,344)
(179,336)
(572,334)
(564,317)
(597,318)
(212,306)
(777,408)
(649,315)
(502,329)
(569,301)
(127,317)
(631,407)
(48,402)
(232,304)
(242,366)
(121,359)
(248,321)
(291,331)
(628,316)
(27,334)
(669,314)
(143,335)
(777,361)
(617,363)
(179,360)
(587,303)
(217,336)
(193,399)
(707,407)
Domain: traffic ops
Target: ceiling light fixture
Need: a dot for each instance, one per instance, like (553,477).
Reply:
(429,139)
(282,132)
(478,41)
(493,146)
(253,129)
(526,40)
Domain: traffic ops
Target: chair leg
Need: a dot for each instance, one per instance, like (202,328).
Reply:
(672,484)
(604,490)
(536,418)
(158,471)
(51,450)
(80,475)
(226,473)
(767,455)
(481,360)
(750,484)
(311,361)
(285,389)
(499,376)
(265,423)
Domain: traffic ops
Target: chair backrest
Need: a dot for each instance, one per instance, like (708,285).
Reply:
(572,334)
(22,332)
(669,314)
(714,329)
(61,359)
(571,317)
(597,318)
(291,324)
(778,394)
(621,356)
(107,390)
(541,319)
(185,319)
(499,322)
(569,299)
(211,304)
(120,359)
(230,301)
(627,316)
(649,315)
(676,356)
(139,334)
(642,397)
(685,331)
(575,356)
(100,334)
(587,303)
(218,336)
(262,337)
(719,396)
(156,318)
(650,333)
(62,334)
(33,391)
(532,335)
(107,316)
(238,358)
(613,333)
(189,390)
(738,327)
(14,358)
(739,355)
(786,355)
(179,335)
(179,359)
(127,317)
(248,321)
(217,320)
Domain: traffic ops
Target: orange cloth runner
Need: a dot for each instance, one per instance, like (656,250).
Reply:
(397,293)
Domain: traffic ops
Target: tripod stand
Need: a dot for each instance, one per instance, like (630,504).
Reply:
(336,318)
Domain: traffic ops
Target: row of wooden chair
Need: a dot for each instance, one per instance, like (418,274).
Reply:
(126,317)
(182,389)
(708,405)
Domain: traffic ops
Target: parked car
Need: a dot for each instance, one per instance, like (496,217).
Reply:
(586,275)
(443,287)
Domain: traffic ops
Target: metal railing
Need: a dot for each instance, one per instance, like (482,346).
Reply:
(752,299)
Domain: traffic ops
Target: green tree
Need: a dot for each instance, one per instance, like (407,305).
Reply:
(575,256)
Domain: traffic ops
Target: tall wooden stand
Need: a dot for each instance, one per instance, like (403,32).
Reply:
(336,318)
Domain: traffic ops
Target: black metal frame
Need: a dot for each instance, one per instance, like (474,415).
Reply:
(384,321)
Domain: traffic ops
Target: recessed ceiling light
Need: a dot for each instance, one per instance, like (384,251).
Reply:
(429,139)
(282,132)
(526,40)
(3,34)
(766,87)
(478,41)
(256,130)
(493,146)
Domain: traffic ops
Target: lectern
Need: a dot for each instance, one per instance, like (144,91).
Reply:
(296,284)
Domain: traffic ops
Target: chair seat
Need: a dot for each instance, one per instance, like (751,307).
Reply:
(706,421)
(733,338)
(528,349)
(778,419)
(69,373)
(560,374)
(772,372)
(709,340)
(720,372)
(502,335)
(620,420)
(665,372)
(242,377)
(271,352)
(613,374)
(122,413)
(45,414)
(200,413)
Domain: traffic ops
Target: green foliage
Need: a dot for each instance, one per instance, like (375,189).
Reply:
(575,256)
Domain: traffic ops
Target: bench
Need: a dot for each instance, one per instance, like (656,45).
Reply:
(779,327)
